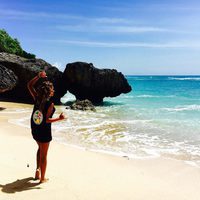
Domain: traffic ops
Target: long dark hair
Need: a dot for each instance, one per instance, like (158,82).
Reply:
(43,94)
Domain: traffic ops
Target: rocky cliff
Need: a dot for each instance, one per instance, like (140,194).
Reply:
(81,79)
(25,70)
(8,79)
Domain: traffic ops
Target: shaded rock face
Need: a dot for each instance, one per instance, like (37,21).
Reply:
(81,79)
(25,70)
(82,105)
(8,79)
(87,82)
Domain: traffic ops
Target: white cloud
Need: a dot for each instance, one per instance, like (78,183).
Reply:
(40,15)
(111,20)
(111,29)
(191,44)
(37,15)
(80,23)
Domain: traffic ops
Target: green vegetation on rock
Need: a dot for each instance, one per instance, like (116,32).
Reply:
(10,45)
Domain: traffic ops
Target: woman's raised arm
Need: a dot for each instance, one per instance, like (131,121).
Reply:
(32,82)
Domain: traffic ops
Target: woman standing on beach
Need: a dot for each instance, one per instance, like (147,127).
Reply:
(41,120)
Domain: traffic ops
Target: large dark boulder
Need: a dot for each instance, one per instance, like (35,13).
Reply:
(87,82)
(25,70)
(8,79)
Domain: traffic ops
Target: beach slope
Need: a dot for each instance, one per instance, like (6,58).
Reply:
(76,174)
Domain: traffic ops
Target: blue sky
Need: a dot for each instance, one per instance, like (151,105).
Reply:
(135,37)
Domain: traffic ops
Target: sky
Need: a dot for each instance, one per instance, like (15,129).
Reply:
(143,37)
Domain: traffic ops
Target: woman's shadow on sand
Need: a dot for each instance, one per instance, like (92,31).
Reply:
(20,185)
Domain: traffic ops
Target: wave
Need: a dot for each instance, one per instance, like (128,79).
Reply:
(158,78)
(146,96)
(99,123)
(144,78)
(183,108)
(185,78)
(154,96)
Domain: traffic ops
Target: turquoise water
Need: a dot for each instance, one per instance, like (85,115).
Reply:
(159,117)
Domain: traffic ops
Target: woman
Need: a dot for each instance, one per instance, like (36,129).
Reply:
(41,120)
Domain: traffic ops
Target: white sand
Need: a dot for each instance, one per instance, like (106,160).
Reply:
(83,175)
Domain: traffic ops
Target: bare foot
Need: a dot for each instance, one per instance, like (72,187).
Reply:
(37,174)
(44,180)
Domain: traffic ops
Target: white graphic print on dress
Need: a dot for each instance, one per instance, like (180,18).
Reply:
(37,117)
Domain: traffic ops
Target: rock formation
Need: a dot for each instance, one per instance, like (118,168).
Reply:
(81,79)
(87,82)
(8,79)
(82,105)
(25,70)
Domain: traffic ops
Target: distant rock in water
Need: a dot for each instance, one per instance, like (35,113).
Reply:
(82,105)
(25,70)
(8,79)
(87,82)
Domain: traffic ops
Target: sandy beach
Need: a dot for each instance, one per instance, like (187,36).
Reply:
(77,174)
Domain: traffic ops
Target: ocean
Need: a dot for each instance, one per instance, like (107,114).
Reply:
(160,117)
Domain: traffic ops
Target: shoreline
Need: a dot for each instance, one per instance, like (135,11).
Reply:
(81,174)
(60,138)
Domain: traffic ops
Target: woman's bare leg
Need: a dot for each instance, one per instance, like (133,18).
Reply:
(37,172)
(43,160)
